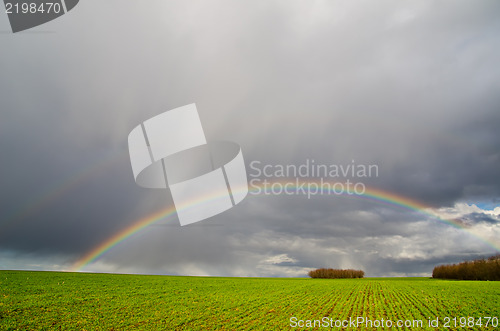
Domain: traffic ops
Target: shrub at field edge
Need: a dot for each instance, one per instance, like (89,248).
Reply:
(482,269)
(336,273)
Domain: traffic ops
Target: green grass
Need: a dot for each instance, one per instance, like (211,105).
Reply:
(80,301)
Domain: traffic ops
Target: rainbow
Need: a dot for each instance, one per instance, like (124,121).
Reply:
(373,194)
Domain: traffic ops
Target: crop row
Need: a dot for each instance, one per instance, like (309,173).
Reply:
(77,301)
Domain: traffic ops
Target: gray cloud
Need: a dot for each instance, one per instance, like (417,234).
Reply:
(411,87)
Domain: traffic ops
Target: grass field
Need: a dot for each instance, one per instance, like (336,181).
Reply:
(80,301)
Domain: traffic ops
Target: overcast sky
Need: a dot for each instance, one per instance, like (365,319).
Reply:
(413,87)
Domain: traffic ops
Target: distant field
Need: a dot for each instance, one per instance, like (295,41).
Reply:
(80,301)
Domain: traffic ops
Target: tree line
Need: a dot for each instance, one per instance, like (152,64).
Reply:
(336,273)
(481,269)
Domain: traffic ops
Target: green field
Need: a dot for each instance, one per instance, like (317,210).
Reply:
(81,301)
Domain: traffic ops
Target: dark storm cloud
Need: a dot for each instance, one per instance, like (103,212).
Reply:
(410,87)
(479,217)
